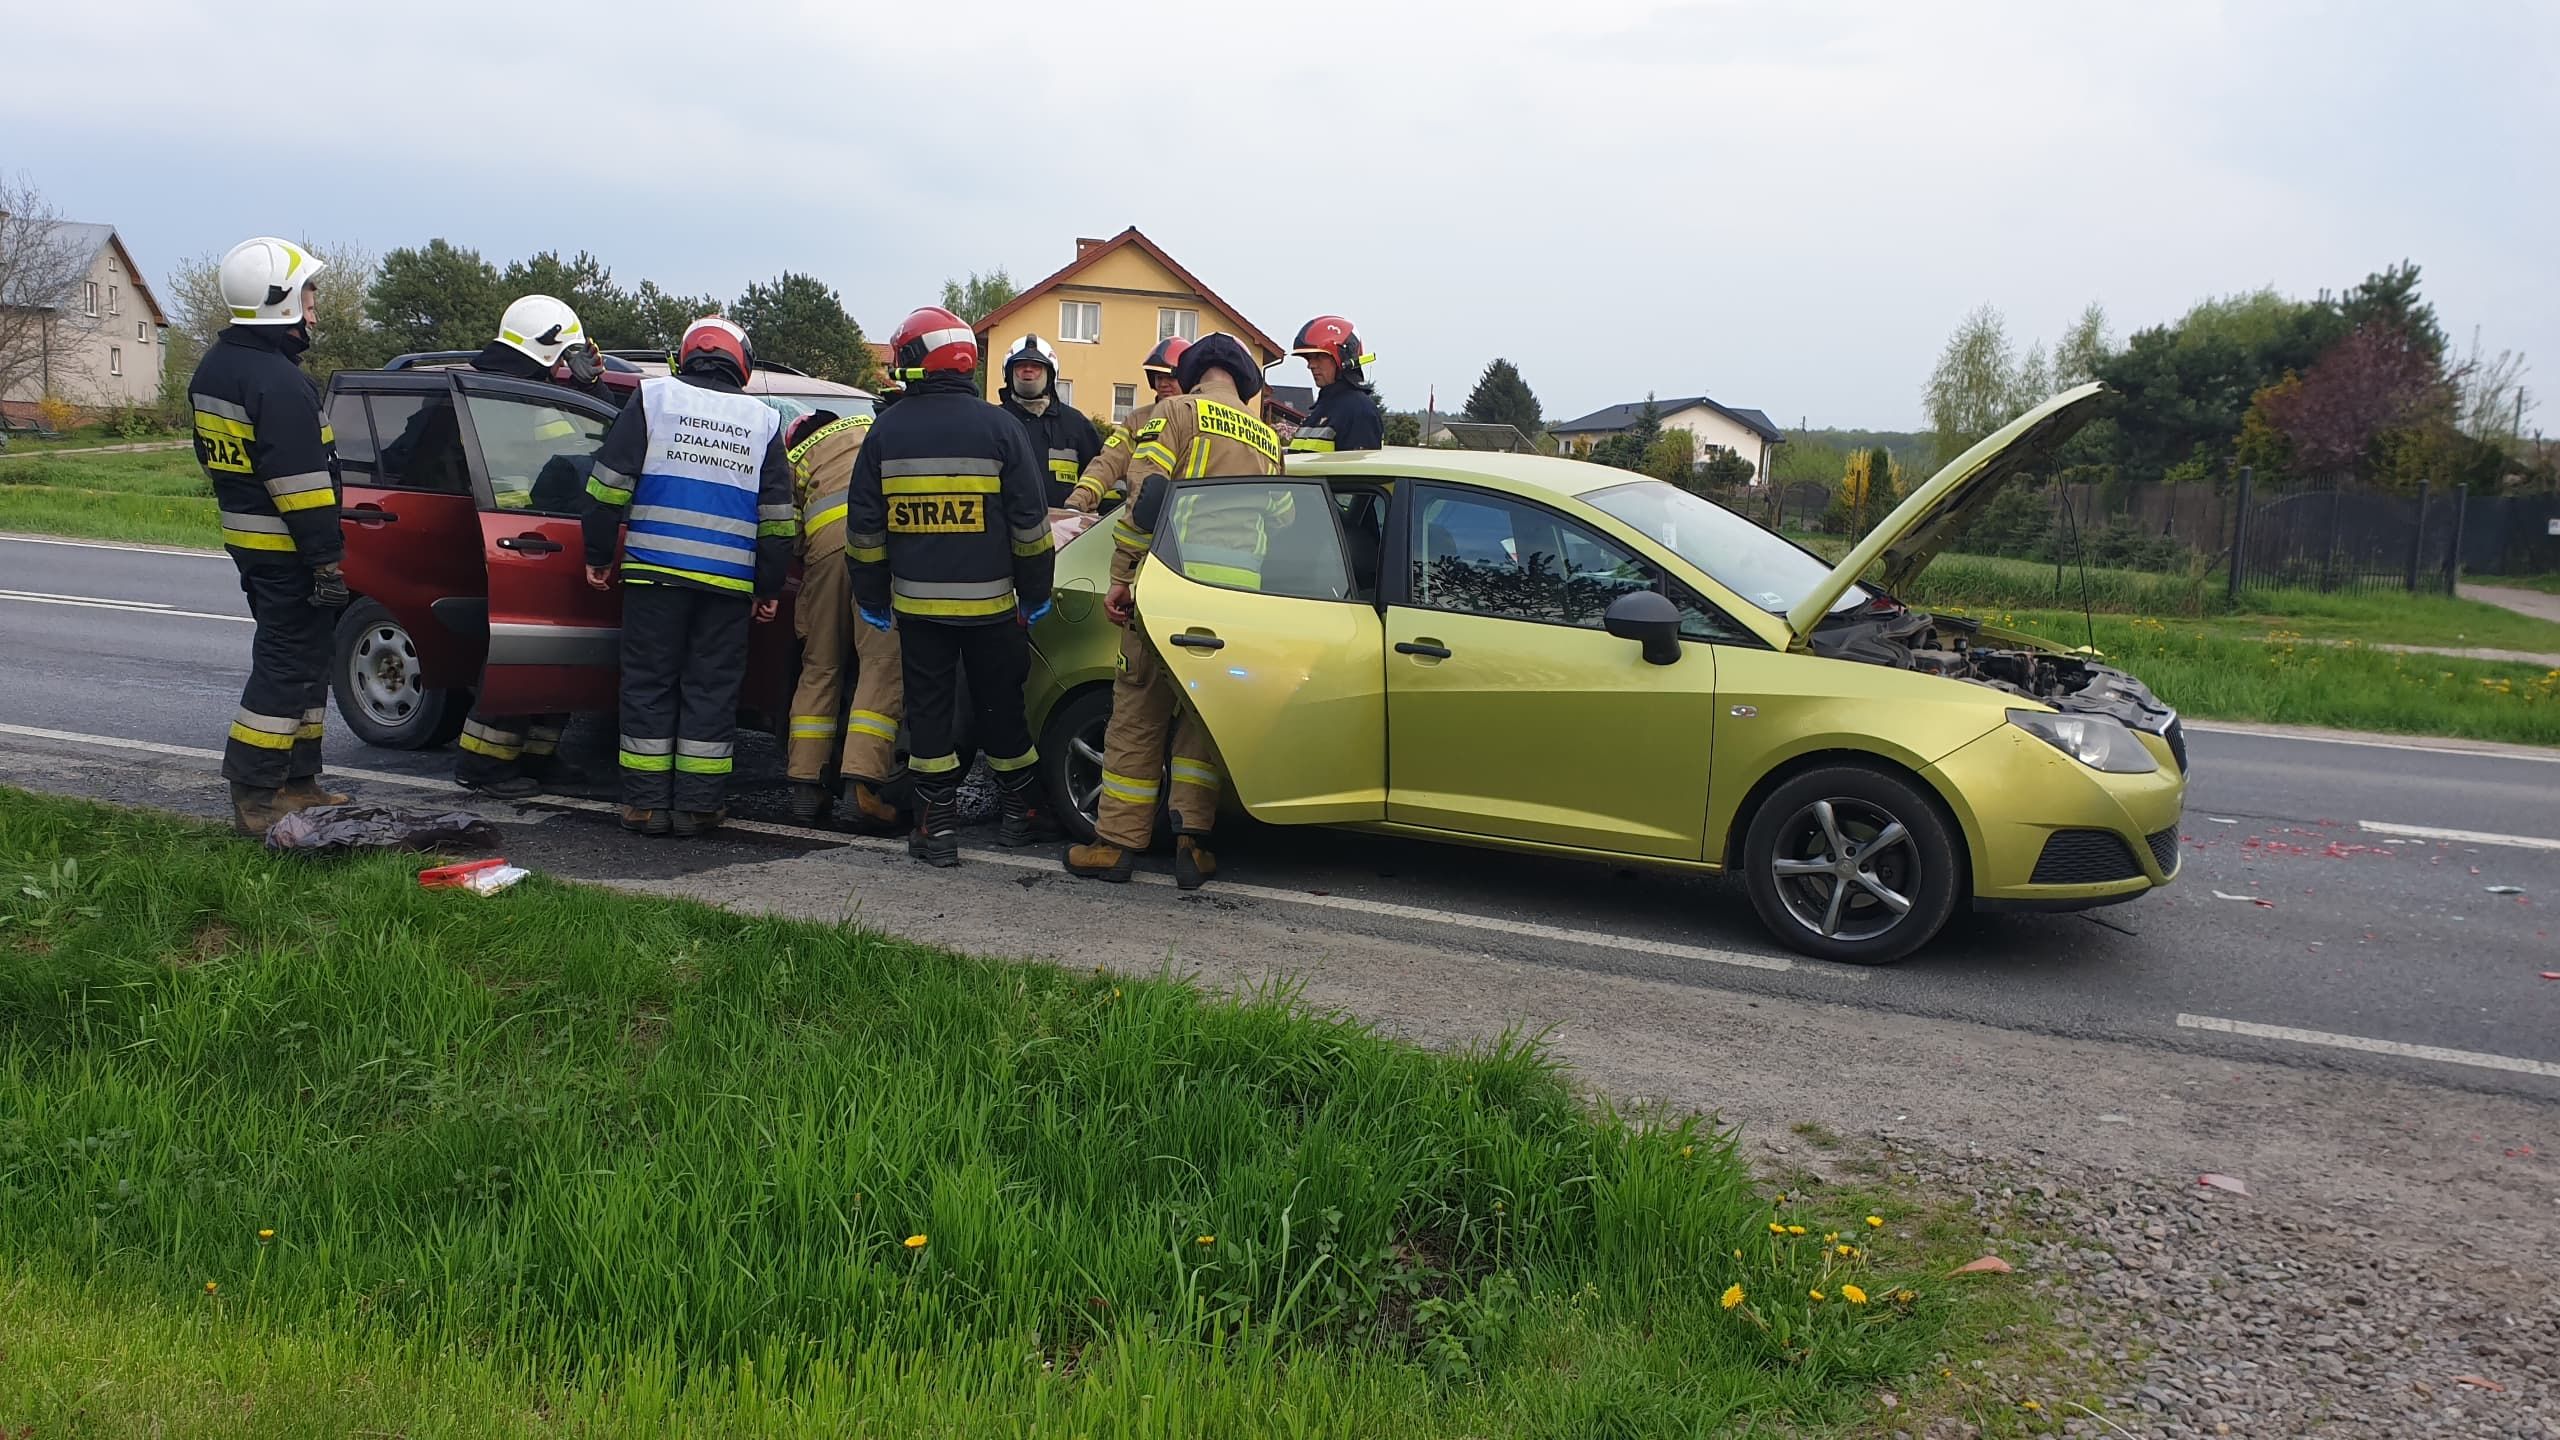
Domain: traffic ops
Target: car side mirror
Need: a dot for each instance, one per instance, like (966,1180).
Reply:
(1649,618)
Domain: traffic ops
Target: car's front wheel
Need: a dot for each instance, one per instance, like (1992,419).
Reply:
(1071,760)
(1852,863)
(377,679)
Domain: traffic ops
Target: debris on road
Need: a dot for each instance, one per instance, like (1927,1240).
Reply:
(2232,1183)
(2479,1383)
(380,827)
(1987,1265)
(2551,974)
(2260,901)
(480,877)
(2218,820)
(2502,889)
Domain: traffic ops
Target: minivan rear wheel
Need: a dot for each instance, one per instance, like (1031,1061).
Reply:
(1852,863)
(377,679)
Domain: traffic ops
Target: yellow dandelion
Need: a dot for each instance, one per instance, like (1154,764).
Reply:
(210,1287)
(1781,1200)
(1816,1294)
(1737,1254)
(2030,1405)
(265,1235)
(915,1242)
(1688,1150)
(1732,1296)
(1849,1250)
(1795,1229)
(1206,1240)
(1905,1297)
(1777,1229)
(1875,1222)
(1831,1239)
(1853,1294)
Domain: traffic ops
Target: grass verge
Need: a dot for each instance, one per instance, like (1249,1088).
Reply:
(157,497)
(294,1148)
(2281,677)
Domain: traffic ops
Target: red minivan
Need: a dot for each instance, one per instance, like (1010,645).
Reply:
(461,499)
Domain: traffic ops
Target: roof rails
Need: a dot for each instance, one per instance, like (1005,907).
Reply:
(427,357)
(775,366)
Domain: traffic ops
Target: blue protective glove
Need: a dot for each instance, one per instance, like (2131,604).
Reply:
(874,619)
(1036,616)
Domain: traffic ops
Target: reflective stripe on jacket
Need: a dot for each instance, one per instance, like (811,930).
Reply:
(1344,417)
(823,466)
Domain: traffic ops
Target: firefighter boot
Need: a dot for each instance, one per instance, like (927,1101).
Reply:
(254,809)
(1192,862)
(516,786)
(808,801)
(866,811)
(688,824)
(646,822)
(306,794)
(1025,821)
(1099,861)
(936,838)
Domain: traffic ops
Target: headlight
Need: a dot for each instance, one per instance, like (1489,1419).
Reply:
(2093,740)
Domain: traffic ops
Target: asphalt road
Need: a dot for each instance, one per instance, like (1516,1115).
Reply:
(2351,945)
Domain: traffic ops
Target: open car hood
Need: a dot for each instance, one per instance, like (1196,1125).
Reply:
(1936,513)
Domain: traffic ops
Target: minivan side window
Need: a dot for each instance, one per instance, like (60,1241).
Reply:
(421,442)
(538,456)
(354,436)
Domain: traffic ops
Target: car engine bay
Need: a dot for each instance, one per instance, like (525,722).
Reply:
(1887,632)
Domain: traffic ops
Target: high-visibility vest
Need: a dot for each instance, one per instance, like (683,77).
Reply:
(693,507)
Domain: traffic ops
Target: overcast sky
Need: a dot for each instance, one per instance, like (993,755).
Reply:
(1783,203)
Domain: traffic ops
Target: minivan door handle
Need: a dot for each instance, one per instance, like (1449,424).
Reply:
(1194,640)
(1432,648)
(532,544)
(368,515)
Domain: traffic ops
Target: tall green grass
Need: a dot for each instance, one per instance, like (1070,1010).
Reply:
(391,1157)
(152,472)
(108,515)
(2285,678)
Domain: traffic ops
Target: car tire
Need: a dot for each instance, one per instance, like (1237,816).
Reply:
(1826,888)
(1071,760)
(374,673)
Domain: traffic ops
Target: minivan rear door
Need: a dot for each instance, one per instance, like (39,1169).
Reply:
(554,641)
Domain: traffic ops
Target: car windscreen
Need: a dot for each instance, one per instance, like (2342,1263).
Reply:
(1756,564)
(792,407)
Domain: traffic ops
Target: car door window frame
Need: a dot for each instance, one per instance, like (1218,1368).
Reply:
(1168,549)
(484,491)
(425,387)
(1395,584)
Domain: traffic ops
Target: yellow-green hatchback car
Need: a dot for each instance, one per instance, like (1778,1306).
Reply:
(1552,656)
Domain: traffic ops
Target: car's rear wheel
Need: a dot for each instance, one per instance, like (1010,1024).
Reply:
(1852,863)
(378,681)
(1071,760)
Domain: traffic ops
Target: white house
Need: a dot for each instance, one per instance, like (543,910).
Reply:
(94,341)
(1718,429)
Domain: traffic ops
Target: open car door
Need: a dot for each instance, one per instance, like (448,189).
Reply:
(555,644)
(1249,598)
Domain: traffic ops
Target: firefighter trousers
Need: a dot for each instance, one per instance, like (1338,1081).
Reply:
(684,657)
(1144,710)
(830,633)
(498,747)
(275,737)
(997,658)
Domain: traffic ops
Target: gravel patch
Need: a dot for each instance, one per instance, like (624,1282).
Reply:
(2224,1315)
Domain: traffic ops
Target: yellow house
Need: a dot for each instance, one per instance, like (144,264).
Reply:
(1104,312)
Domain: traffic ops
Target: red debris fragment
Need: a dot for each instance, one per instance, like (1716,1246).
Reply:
(1987,1265)
(2232,1183)
(2477,1383)
(2551,974)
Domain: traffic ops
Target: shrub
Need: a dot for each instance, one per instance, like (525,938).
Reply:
(57,414)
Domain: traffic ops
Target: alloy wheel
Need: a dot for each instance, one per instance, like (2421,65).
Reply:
(384,667)
(1846,869)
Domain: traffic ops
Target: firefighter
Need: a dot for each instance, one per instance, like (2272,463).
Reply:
(1345,416)
(696,466)
(822,447)
(512,757)
(262,439)
(1104,480)
(1061,435)
(1209,429)
(947,539)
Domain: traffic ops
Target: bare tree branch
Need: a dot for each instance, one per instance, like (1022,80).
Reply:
(44,327)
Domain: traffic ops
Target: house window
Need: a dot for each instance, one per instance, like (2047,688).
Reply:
(1080,321)
(141,332)
(89,297)
(114,307)
(1185,323)
(1067,393)
(115,359)
(1124,398)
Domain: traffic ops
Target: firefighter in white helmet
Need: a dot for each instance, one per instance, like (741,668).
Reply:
(513,757)
(262,438)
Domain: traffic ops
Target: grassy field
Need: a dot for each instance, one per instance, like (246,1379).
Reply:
(157,497)
(2283,677)
(295,1148)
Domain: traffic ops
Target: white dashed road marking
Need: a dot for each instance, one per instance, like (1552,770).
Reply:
(129,607)
(2458,837)
(2399,1048)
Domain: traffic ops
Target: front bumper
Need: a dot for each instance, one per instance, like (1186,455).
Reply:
(2047,832)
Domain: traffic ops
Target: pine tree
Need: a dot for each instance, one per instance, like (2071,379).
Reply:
(1501,397)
